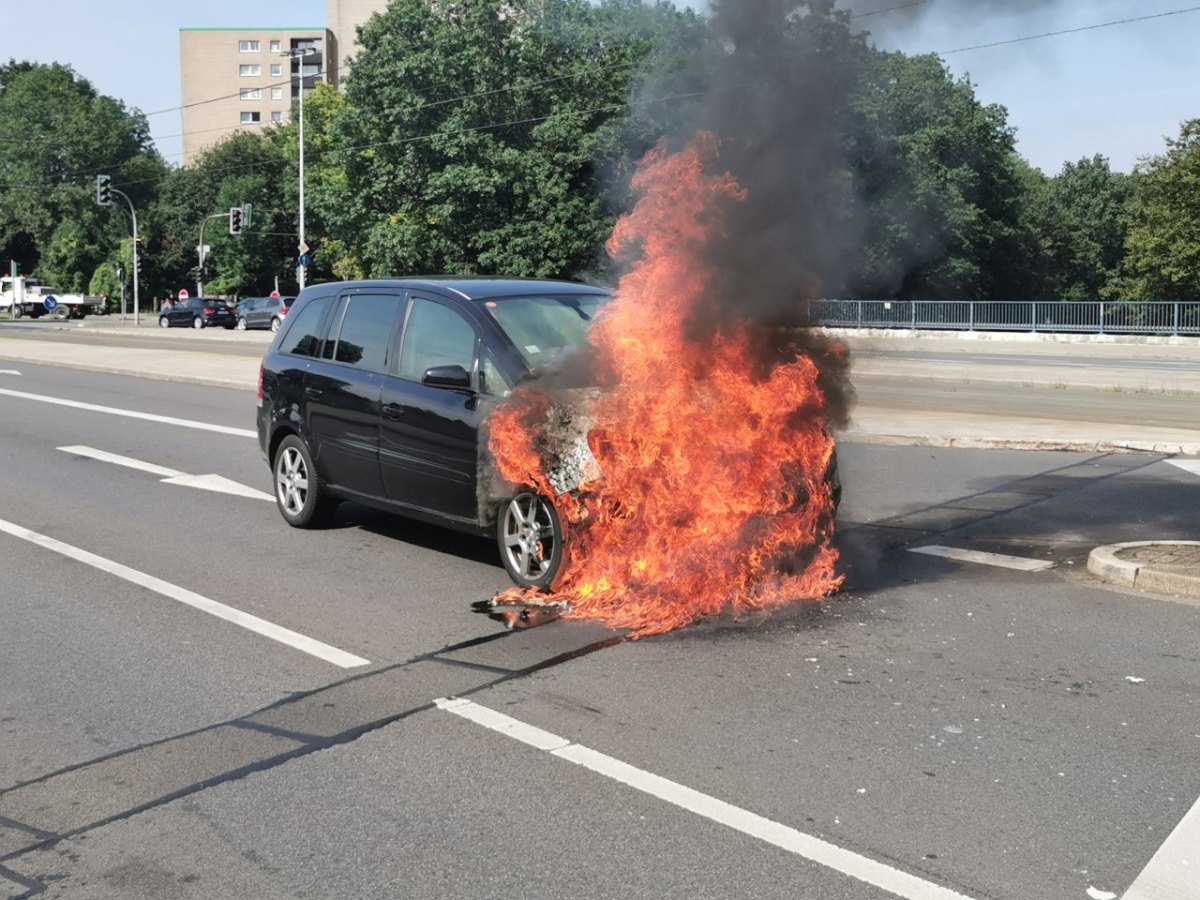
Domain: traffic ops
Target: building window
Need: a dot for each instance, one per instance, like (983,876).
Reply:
(251,93)
(276,93)
(245,70)
(276,69)
(249,118)
(275,46)
(249,46)
(277,116)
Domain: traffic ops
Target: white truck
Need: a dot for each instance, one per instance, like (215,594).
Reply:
(23,296)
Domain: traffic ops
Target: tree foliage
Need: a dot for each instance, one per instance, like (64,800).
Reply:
(499,137)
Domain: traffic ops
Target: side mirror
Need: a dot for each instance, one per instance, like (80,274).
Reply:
(447,377)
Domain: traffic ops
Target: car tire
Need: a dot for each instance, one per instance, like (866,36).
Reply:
(198,322)
(62,313)
(164,322)
(17,312)
(275,323)
(530,538)
(299,492)
(241,323)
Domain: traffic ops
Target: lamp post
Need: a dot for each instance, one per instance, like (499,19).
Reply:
(300,53)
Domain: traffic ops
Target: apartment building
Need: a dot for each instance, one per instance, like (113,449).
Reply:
(244,78)
(247,78)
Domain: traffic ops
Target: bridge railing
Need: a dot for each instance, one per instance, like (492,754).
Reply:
(1059,316)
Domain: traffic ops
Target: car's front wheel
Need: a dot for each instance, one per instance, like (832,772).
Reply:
(275,324)
(164,322)
(241,323)
(299,492)
(530,537)
(198,322)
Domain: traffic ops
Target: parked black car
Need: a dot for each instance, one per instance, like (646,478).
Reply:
(373,391)
(198,312)
(263,312)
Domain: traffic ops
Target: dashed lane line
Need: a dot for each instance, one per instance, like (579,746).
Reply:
(130,413)
(211,482)
(862,868)
(250,622)
(1023,563)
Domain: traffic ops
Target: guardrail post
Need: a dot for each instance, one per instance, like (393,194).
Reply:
(1033,316)
(913,308)
(1102,317)
(1175,325)
(858,304)
(970,315)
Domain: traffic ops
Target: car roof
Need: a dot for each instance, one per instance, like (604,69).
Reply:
(483,287)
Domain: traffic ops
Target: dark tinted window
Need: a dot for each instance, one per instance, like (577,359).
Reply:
(363,326)
(303,334)
(435,335)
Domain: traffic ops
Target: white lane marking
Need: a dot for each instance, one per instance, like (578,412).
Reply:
(814,849)
(221,485)
(1023,563)
(250,622)
(117,459)
(131,414)
(1174,871)
(1188,465)
(9,372)
(218,483)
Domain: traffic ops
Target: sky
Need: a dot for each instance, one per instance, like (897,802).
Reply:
(1117,91)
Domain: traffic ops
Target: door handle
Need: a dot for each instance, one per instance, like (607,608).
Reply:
(313,392)
(393,410)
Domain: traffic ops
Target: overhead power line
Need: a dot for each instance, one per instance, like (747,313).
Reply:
(1046,34)
(888,9)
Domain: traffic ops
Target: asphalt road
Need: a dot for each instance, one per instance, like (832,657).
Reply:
(943,728)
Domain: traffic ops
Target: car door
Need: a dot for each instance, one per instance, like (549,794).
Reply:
(260,316)
(429,434)
(342,389)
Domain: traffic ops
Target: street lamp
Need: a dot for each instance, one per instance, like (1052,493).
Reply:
(300,53)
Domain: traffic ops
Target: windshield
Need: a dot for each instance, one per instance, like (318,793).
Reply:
(544,326)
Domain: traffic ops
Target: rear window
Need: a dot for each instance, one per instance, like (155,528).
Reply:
(302,334)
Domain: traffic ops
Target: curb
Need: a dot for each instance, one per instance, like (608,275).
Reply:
(1182,448)
(1104,563)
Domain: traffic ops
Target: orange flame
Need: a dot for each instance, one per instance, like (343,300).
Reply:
(713,493)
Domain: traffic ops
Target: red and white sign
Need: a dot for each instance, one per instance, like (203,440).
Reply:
(183,294)
(274,295)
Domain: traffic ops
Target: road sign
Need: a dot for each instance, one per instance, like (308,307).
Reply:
(274,295)
(305,261)
(303,248)
(183,294)
(50,302)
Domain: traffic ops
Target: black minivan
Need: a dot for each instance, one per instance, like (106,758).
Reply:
(372,391)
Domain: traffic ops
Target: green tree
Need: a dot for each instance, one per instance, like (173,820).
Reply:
(473,149)
(59,134)
(1163,244)
(942,185)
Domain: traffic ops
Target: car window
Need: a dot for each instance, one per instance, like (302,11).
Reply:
(303,336)
(491,379)
(435,335)
(362,330)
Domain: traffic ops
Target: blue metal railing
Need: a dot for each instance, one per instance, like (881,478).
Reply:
(1051,317)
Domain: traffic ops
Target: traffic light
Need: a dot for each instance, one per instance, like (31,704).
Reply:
(235,220)
(104,190)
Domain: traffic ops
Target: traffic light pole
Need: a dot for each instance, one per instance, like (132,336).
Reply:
(132,212)
(200,252)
